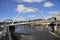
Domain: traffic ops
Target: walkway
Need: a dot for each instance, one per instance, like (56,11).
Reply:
(39,35)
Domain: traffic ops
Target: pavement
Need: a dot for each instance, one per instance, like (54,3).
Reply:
(37,35)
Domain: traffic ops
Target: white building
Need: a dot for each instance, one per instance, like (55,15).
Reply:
(58,17)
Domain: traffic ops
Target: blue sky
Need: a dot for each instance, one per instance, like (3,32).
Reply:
(10,8)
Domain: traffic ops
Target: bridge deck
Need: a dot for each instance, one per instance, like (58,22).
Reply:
(40,35)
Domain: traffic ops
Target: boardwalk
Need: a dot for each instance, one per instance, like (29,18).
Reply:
(39,35)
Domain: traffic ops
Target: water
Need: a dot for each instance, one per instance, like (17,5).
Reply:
(24,29)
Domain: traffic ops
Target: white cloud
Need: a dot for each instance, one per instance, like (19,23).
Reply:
(30,1)
(31,16)
(5,19)
(48,4)
(1,20)
(54,12)
(20,19)
(48,17)
(20,8)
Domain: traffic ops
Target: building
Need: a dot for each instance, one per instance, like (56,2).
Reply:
(52,19)
(58,17)
(58,23)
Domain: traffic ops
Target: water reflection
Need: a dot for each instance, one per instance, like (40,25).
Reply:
(21,29)
(24,29)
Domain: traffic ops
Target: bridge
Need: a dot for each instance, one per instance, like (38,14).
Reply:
(35,35)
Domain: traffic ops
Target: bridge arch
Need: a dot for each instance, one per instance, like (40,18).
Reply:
(8,20)
(26,9)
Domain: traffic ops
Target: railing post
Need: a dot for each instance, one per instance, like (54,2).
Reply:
(9,34)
